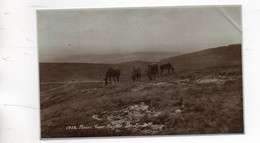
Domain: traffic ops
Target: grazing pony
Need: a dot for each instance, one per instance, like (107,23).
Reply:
(112,73)
(153,71)
(167,66)
(136,74)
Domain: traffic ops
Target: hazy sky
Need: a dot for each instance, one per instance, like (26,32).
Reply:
(165,29)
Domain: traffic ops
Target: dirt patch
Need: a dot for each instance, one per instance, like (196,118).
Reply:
(182,81)
(95,117)
(140,87)
(216,80)
(159,83)
(130,118)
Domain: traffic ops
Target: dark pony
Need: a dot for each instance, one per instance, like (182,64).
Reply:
(153,71)
(167,66)
(136,74)
(112,73)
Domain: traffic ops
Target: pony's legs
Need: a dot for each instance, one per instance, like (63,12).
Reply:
(114,79)
(153,76)
(150,76)
(117,79)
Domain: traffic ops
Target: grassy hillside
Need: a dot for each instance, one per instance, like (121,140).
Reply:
(53,72)
(205,102)
(203,96)
(220,56)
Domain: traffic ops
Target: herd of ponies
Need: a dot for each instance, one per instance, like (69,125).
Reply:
(152,73)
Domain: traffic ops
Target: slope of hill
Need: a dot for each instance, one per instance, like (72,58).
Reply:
(204,96)
(55,72)
(205,102)
(220,56)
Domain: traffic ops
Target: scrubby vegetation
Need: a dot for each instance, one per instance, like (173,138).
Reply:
(207,101)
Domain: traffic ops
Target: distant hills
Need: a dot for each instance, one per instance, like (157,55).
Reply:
(220,56)
(113,58)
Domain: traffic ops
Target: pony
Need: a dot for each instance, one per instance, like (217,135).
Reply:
(153,71)
(136,74)
(112,73)
(167,66)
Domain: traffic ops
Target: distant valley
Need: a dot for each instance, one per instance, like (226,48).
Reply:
(213,57)
(112,58)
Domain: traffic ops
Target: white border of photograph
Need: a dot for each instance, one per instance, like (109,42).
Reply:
(19,74)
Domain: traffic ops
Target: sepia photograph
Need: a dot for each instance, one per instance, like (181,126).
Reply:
(140,71)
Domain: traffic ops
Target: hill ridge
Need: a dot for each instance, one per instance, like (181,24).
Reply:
(219,56)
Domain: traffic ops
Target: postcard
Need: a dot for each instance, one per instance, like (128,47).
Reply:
(140,71)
